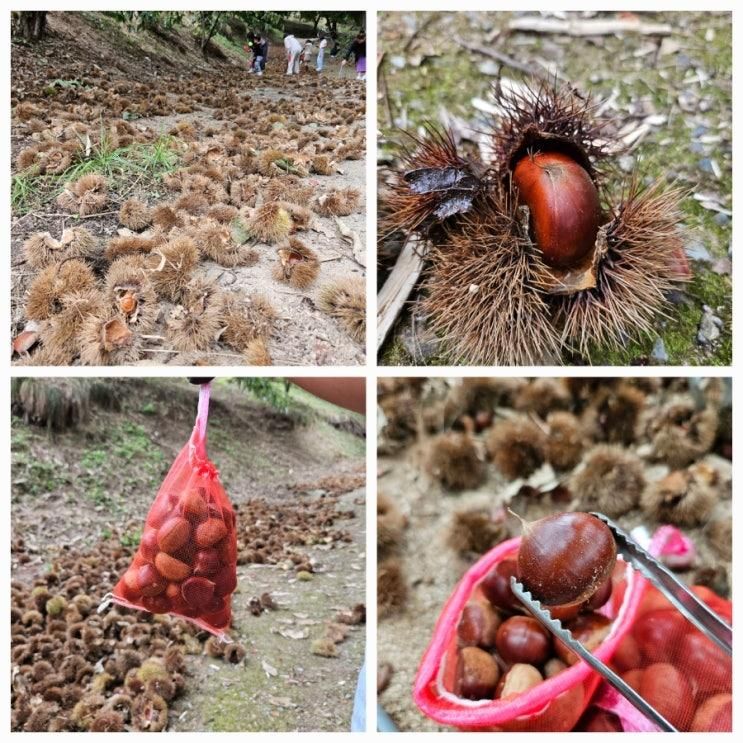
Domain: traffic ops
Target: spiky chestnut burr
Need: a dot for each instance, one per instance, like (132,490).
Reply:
(542,262)
(436,184)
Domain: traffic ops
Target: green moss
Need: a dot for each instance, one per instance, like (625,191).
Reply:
(229,707)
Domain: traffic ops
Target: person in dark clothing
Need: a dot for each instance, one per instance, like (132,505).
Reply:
(260,53)
(358,50)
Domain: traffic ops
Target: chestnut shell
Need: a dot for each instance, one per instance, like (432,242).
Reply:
(565,557)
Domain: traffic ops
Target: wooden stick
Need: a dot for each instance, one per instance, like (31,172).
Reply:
(500,57)
(589,26)
(398,286)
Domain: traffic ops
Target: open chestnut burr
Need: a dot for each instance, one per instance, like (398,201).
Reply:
(529,254)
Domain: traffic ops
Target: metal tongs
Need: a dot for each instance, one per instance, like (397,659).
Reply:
(668,584)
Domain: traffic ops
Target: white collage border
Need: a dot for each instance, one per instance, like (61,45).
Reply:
(371,370)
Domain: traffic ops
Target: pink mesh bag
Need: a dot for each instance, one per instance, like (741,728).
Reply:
(186,560)
(558,703)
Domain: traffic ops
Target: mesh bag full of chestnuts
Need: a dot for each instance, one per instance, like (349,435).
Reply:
(491,666)
(682,673)
(187,557)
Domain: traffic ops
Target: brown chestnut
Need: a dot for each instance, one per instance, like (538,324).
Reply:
(198,592)
(519,678)
(496,586)
(714,715)
(174,534)
(210,532)
(554,666)
(523,640)
(172,569)
(565,557)
(601,596)
(206,562)
(477,674)
(589,629)
(194,506)
(664,687)
(151,583)
(563,206)
(478,624)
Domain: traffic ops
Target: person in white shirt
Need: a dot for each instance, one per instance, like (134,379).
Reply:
(293,52)
(321,53)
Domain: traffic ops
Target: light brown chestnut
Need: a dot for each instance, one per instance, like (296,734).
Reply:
(477,674)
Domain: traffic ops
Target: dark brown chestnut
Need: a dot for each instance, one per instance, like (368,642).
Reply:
(565,557)
(477,674)
(589,629)
(522,640)
(478,624)
(601,596)
(496,586)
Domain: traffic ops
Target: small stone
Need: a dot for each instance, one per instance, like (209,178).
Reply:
(683,61)
(709,328)
(723,266)
(626,163)
(695,251)
(697,148)
(304,575)
(721,219)
(489,67)
(705,165)
(659,354)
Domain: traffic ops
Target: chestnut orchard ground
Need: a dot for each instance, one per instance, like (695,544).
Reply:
(296,479)
(229,226)
(454,454)
(678,88)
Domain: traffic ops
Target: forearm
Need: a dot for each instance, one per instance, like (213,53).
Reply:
(347,392)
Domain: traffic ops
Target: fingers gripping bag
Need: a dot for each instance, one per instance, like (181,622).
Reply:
(550,693)
(186,561)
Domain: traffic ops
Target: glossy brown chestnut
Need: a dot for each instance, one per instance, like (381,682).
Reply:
(522,640)
(589,629)
(478,624)
(563,205)
(565,557)
(477,674)
(496,587)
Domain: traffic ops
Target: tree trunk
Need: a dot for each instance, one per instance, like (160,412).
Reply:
(32,24)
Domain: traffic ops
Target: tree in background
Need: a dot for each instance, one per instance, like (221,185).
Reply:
(29,25)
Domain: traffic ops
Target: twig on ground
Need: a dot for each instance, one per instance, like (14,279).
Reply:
(500,57)
(589,26)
